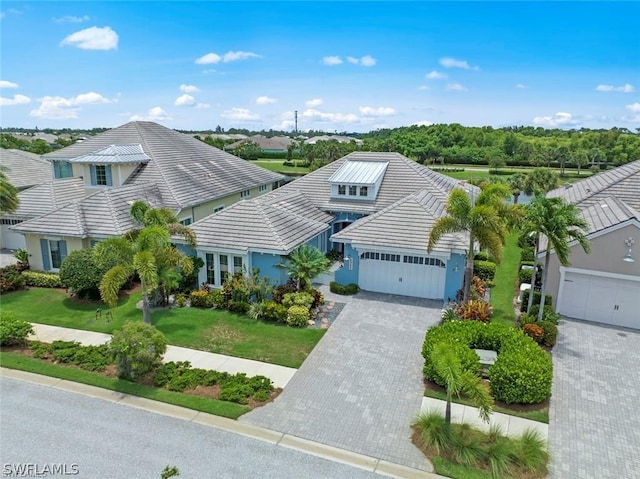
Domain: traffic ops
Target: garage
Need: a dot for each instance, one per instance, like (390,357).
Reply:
(613,300)
(407,275)
(11,239)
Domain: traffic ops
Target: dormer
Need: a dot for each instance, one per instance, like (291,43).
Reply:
(358,180)
(109,166)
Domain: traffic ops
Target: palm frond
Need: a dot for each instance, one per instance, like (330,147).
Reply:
(112,281)
(443,226)
(145,264)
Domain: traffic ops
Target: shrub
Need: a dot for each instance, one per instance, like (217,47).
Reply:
(433,431)
(481,256)
(485,270)
(527,254)
(448,314)
(297,299)
(550,333)
(11,279)
(80,274)
(218,299)
(534,331)
(91,358)
(522,372)
(13,330)
(478,288)
(342,289)
(318,298)
(280,291)
(190,281)
(526,241)
(548,300)
(238,306)
(298,316)
(42,280)
(181,300)
(137,348)
(201,299)
(525,275)
(475,310)
(273,311)
(22,255)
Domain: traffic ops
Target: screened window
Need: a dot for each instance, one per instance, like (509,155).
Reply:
(185,222)
(62,169)
(263,188)
(100,175)
(211,268)
(353,190)
(364,190)
(224,267)
(237,264)
(342,190)
(218,208)
(245,194)
(56,254)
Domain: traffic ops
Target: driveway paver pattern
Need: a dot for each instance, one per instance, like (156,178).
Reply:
(361,387)
(594,417)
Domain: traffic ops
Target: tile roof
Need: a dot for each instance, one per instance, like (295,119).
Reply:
(359,172)
(271,223)
(404,224)
(42,199)
(25,169)
(402,177)
(113,154)
(264,143)
(105,213)
(622,182)
(188,171)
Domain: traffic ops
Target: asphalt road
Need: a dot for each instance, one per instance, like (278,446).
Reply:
(42,426)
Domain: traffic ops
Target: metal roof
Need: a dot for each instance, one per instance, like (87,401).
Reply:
(112,154)
(359,172)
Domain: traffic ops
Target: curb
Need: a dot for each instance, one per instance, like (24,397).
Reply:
(360,461)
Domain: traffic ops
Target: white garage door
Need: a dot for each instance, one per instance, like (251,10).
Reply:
(11,239)
(419,276)
(600,298)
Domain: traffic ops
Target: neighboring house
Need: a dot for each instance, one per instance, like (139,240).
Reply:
(603,286)
(139,160)
(377,209)
(339,138)
(275,144)
(24,169)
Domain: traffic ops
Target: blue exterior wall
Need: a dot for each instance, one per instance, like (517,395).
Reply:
(346,274)
(267,264)
(186,249)
(454,278)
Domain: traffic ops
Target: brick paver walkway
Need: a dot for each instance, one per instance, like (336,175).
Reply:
(594,427)
(361,387)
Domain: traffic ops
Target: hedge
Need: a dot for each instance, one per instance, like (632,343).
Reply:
(522,372)
(485,270)
(527,254)
(42,280)
(338,288)
(11,279)
(548,300)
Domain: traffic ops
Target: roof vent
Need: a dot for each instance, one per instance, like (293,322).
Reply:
(568,185)
(588,190)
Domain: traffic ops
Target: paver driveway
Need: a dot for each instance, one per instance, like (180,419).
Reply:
(594,428)
(361,387)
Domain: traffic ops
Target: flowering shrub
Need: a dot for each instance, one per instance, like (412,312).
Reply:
(475,310)
(534,331)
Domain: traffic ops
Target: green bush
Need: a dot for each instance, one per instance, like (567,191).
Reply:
(137,349)
(342,289)
(298,316)
(550,333)
(42,280)
(80,274)
(525,276)
(522,372)
(526,241)
(273,311)
(13,330)
(548,315)
(11,279)
(548,300)
(485,270)
(481,256)
(201,299)
(297,299)
(90,358)
(527,254)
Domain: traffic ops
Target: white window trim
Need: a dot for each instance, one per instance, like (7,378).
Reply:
(180,220)
(217,209)
(245,194)
(216,265)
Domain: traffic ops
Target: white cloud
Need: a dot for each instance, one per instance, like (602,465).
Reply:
(449,62)
(230,56)
(423,87)
(8,84)
(314,102)
(154,114)
(185,100)
(72,19)
(365,61)
(330,117)
(16,100)
(560,119)
(626,88)
(189,88)
(423,123)
(93,38)
(332,60)
(265,100)
(240,114)
(521,86)
(435,75)
(202,106)
(381,111)
(60,108)
(455,87)
(634,107)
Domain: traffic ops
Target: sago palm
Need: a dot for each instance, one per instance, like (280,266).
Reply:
(305,263)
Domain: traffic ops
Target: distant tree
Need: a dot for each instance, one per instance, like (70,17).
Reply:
(540,180)
(516,183)
(581,159)
(249,150)
(497,162)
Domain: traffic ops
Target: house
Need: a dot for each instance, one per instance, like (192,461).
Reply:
(138,160)
(275,144)
(24,169)
(603,286)
(376,209)
(339,138)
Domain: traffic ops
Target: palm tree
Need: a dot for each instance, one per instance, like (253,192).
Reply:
(540,180)
(560,223)
(447,365)
(485,221)
(8,193)
(516,183)
(147,252)
(305,263)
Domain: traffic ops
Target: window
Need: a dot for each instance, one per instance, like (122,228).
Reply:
(237,264)
(53,253)
(185,222)
(100,175)
(342,190)
(263,188)
(218,208)
(56,254)
(353,190)
(224,267)
(211,268)
(364,190)
(370,255)
(62,169)
(245,194)
(7,221)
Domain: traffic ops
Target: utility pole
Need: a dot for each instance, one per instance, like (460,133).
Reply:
(296,117)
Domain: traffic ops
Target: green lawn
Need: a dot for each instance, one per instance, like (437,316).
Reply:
(482,172)
(211,406)
(506,282)
(210,330)
(276,165)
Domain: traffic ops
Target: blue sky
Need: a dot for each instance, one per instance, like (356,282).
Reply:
(344,66)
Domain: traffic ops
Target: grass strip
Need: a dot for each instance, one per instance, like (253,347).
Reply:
(447,468)
(503,292)
(211,406)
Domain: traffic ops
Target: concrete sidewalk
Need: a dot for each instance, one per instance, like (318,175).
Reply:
(280,375)
(512,426)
